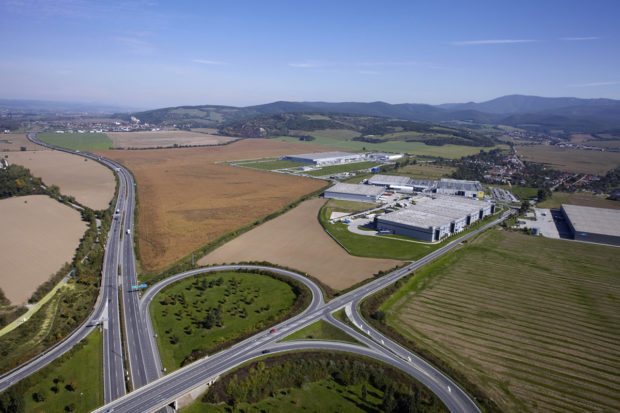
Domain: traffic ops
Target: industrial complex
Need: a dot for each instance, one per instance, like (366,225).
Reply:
(432,219)
(468,189)
(326,158)
(593,224)
(354,192)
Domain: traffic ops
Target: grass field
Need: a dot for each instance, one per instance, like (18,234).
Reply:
(80,384)
(571,160)
(205,311)
(340,205)
(532,321)
(78,141)
(296,239)
(522,192)
(339,139)
(317,381)
(579,198)
(272,165)
(321,330)
(336,169)
(39,234)
(320,396)
(89,182)
(166,139)
(186,199)
(425,170)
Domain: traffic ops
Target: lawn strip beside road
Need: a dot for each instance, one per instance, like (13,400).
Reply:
(74,379)
(321,330)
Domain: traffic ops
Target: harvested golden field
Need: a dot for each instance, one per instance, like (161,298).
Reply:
(13,142)
(186,200)
(165,139)
(297,240)
(39,235)
(534,322)
(91,183)
(571,160)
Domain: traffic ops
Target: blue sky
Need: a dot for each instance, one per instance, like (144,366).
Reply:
(166,53)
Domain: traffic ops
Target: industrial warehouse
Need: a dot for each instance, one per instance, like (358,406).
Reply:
(354,192)
(325,158)
(433,219)
(593,224)
(468,189)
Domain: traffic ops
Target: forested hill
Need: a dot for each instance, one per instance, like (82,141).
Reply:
(368,129)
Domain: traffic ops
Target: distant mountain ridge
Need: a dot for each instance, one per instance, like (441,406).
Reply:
(512,104)
(528,112)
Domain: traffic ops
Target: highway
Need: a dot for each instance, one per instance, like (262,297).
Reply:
(104,312)
(152,391)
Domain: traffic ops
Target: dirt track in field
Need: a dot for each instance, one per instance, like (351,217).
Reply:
(187,200)
(297,240)
(165,139)
(39,235)
(91,183)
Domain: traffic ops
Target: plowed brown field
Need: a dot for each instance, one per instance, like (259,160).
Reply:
(91,183)
(39,235)
(165,139)
(13,142)
(187,200)
(297,240)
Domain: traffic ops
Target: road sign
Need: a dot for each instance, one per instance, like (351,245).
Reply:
(143,285)
(135,287)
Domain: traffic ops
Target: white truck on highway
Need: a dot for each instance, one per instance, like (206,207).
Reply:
(128,231)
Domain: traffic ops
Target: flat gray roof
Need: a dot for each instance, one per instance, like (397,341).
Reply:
(415,218)
(459,185)
(323,155)
(357,189)
(594,220)
(389,180)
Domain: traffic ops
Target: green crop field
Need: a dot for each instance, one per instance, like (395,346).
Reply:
(339,139)
(534,322)
(74,381)
(426,170)
(78,141)
(579,198)
(271,165)
(571,160)
(321,330)
(347,167)
(207,311)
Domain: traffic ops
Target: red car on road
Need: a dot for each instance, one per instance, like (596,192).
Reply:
(273,330)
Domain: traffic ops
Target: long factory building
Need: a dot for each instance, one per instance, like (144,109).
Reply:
(434,219)
(468,189)
(354,192)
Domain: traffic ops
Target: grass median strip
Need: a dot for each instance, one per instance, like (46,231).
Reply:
(321,330)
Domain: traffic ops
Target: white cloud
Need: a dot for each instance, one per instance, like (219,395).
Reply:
(579,38)
(208,62)
(492,41)
(593,84)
